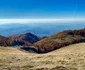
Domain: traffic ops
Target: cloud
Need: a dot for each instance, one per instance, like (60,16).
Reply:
(42,20)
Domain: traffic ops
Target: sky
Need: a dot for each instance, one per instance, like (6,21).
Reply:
(44,9)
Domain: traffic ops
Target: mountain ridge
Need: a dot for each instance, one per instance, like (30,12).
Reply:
(59,40)
(43,29)
(19,39)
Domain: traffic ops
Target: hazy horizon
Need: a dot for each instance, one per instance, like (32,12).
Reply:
(43,17)
(42,20)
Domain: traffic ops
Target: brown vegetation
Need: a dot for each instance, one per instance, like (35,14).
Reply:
(60,40)
(22,39)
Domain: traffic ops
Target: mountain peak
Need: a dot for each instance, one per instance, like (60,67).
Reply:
(19,39)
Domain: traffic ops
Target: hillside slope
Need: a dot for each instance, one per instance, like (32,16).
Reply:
(26,38)
(19,39)
(67,58)
(60,40)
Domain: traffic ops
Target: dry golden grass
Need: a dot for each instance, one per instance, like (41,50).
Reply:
(67,58)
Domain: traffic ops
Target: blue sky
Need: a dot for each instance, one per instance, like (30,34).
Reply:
(41,8)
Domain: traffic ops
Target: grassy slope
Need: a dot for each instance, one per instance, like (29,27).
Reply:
(67,58)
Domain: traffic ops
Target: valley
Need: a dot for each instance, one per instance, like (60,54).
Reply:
(62,51)
(42,34)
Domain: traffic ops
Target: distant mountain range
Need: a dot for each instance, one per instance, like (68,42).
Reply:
(40,29)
